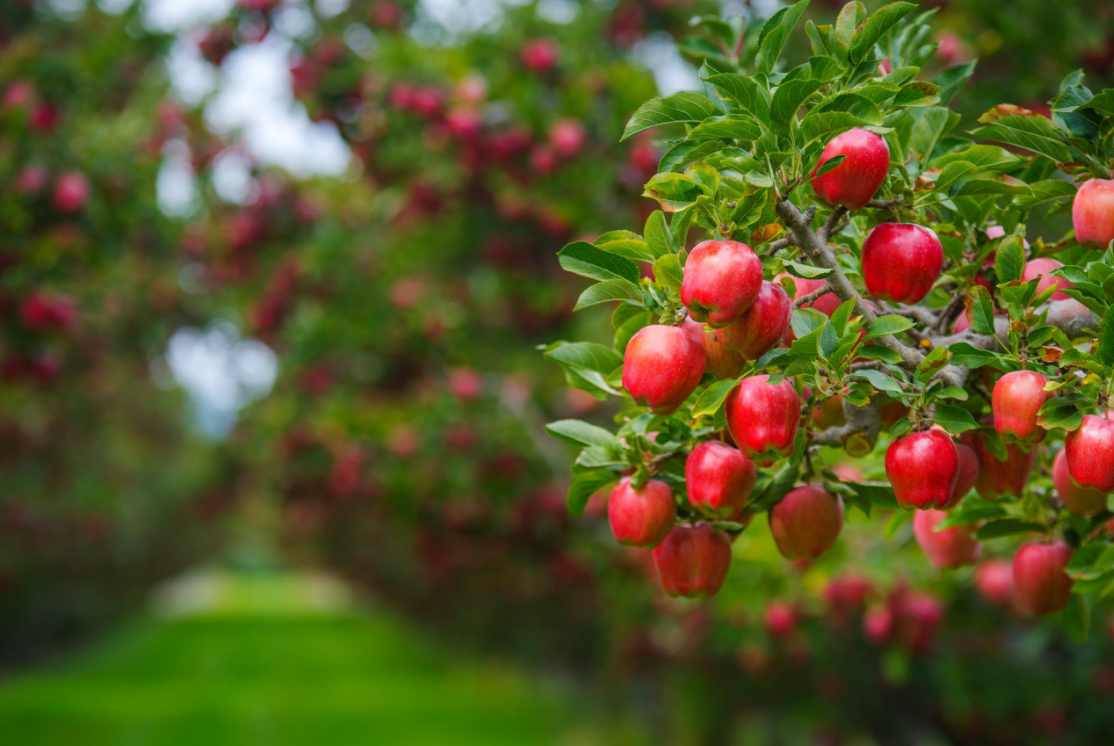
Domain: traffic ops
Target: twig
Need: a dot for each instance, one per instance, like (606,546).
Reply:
(804,300)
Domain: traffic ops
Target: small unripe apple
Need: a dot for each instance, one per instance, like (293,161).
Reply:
(780,619)
(1090,452)
(968,472)
(948,547)
(763,417)
(1040,584)
(806,522)
(923,468)
(692,561)
(721,281)
(1092,212)
(994,581)
(853,182)
(661,366)
(1085,501)
(640,517)
(998,477)
(719,478)
(1041,269)
(901,261)
(1016,402)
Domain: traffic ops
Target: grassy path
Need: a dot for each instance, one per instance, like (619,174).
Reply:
(277,661)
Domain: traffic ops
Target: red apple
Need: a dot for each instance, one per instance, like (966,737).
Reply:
(1016,401)
(1039,581)
(719,478)
(968,472)
(71,192)
(1083,501)
(780,619)
(765,322)
(923,468)
(762,416)
(806,522)
(878,625)
(997,477)
(662,365)
(640,517)
(692,561)
(901,261)
(1092,212)
(1090,452)
(948,547)
(540,55)
(918,616)
(721,281)
(567,137)
(853,182)
(846,594)
(723,345)
(994,580)
(1042,268)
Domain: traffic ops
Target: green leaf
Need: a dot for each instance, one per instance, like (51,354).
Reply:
(973,509)
(847,21)
(954,78)
(743,90)
(627,320)
(982,313)
(587,364)
(775,33)
(672,190)
(830,164)
(818,125)
(1062,413)
(584,484)
(1007,527)
(788,98)
(890,324)
(807,270)
(1103,101)
(955,419)
(730,127)
(876,26)
(968,356)
(627,244)
(607,291)
(1106,343)
(668,272)
(1033,133)
(1010,259)
(709,401)
(685,152)
(879,380)
(584,433)
(680,108)
(657,234)
(586,260)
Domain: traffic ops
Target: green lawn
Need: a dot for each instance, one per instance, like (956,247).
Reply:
(263,661)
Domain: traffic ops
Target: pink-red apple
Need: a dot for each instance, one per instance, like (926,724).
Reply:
(721,281)
(1041,269)
(947,547)
(1040,583)
(662,365)
(994,581)
(901,261)
(1092,212)
(763,416)
(719,478)
(968,472)
(1085,501)
(998,477)
(640,517)
(1090,452)
(806,522)
(857,178)
(692,561)
(780,619)
(1016,402)
(923,468)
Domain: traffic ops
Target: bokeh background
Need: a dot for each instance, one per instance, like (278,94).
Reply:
(273,278)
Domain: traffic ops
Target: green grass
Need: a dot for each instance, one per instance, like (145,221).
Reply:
(262,664)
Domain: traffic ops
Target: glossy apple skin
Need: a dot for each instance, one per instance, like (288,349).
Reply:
(855,181)
(719,478)
(692,561)
(901,261)
(1041,269)
(662,365)
(1090,452)
(640,518)
(1039,582)
(721,281)
(949,547)
(997,478)
(1016,401)
(923,468)
(806,522)
(1079,500)
(994,581)
(1092,212)
(722,345)
(749,337)
(968,472)
(763,417)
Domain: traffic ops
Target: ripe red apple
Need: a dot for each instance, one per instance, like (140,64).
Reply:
(765,322)
(997,477)
(1084,501)
(762,416)
(1039,581)
(878,625)
(918,616)
(1042,268)
(722,346)
(968,472)
(661,366)
(806,522)
(846,594)
(540,55)
(923,468)
(1016,401)
(640,517)
(71,192)
(853,182)
(1092,212)
(1090,452)
(567,137)
(948,547)
(692,561)
(719,478)
(994,581)
(721,281)
(901,261)
(780,619)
